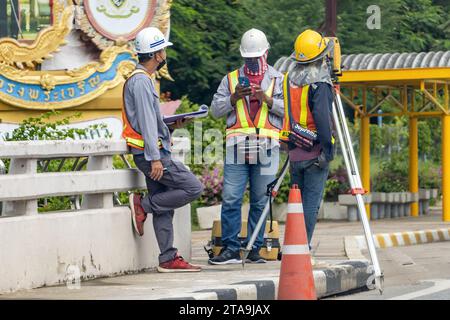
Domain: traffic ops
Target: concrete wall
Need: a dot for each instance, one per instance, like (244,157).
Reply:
(49,248)
(38,250)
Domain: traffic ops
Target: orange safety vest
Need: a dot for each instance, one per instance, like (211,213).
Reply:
(132,137)
(244,125)
(301,112)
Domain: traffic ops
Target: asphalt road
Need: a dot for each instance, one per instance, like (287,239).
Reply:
(420,272)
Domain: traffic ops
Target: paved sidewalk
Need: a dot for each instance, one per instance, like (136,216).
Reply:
(217,282)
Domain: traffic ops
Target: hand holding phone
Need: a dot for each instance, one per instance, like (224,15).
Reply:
(242,90)
(244,81)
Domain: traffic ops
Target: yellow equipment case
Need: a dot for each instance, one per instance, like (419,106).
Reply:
(271,245)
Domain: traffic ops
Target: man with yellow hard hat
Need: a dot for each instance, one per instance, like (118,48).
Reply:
(307,128)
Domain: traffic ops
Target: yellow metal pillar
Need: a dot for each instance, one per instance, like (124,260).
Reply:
(414,163)
(446,159)
(413,150)
(365,149)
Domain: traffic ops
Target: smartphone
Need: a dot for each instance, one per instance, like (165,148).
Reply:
(243,81)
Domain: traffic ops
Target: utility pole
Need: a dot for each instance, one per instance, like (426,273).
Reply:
(329,28)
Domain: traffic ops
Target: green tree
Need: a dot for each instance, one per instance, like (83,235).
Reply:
(206,38)
(424,26)
(206,34)
(406,26)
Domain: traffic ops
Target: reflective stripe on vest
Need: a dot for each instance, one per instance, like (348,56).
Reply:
(304,109)
(131,136)
(244,125)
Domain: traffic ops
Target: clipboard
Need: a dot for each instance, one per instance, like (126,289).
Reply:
(202,112)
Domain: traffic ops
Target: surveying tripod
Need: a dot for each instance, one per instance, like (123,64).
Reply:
(351,165)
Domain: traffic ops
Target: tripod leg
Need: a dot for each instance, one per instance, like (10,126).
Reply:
(264,214)
(355,183)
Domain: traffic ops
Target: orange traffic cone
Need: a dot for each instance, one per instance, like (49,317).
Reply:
(296,274)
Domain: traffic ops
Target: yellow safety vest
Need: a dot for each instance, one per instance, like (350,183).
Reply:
(260,126)
(300,109)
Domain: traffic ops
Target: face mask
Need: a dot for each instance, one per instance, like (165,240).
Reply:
(252,64)
(161,64)
(256,66)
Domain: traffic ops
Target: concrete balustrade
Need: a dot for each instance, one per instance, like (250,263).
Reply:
(425,195)
(349,201)
(389,205)
(38,249)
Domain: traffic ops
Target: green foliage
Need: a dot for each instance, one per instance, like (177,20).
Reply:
(195,226)
(353,33)
(206,123)
(430,135)
(332,190)
(205,45)
(430,175)
(54,204)
(336,184)
(282,21)
(393,175)
(389,147)
(206,36)
(425,26)
(412,25)
(207,33)
(118,164)
(42,128)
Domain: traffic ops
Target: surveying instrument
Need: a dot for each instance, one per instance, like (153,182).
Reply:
(340,125)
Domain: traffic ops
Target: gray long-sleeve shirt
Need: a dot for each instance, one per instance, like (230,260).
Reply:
(144,115)
(221,104)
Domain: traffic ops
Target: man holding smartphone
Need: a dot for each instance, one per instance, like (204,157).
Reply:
(251,98)
(170,184)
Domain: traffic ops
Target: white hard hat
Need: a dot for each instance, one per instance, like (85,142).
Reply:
(150,40)
(253,44)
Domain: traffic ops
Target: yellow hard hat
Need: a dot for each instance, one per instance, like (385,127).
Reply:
(309,46)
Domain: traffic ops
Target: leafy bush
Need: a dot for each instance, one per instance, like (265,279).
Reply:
(393,174)
(207,123)
(42,128)
(336,184)
(430,175)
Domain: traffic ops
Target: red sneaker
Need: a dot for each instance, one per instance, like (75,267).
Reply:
(138,214)
(178,264)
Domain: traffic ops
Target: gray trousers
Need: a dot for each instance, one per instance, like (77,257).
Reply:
(177,187)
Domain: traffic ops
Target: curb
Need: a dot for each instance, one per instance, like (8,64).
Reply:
(399,239)
(335,279)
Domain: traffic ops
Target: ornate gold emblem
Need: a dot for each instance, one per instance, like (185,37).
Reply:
(21,85)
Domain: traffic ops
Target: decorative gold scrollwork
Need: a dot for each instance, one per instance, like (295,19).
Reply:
(48,40)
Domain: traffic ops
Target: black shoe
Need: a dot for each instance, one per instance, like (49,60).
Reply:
(254,257)
(226,257)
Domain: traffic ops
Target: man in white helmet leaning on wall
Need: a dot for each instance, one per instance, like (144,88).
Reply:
(170,184)
(251,98)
